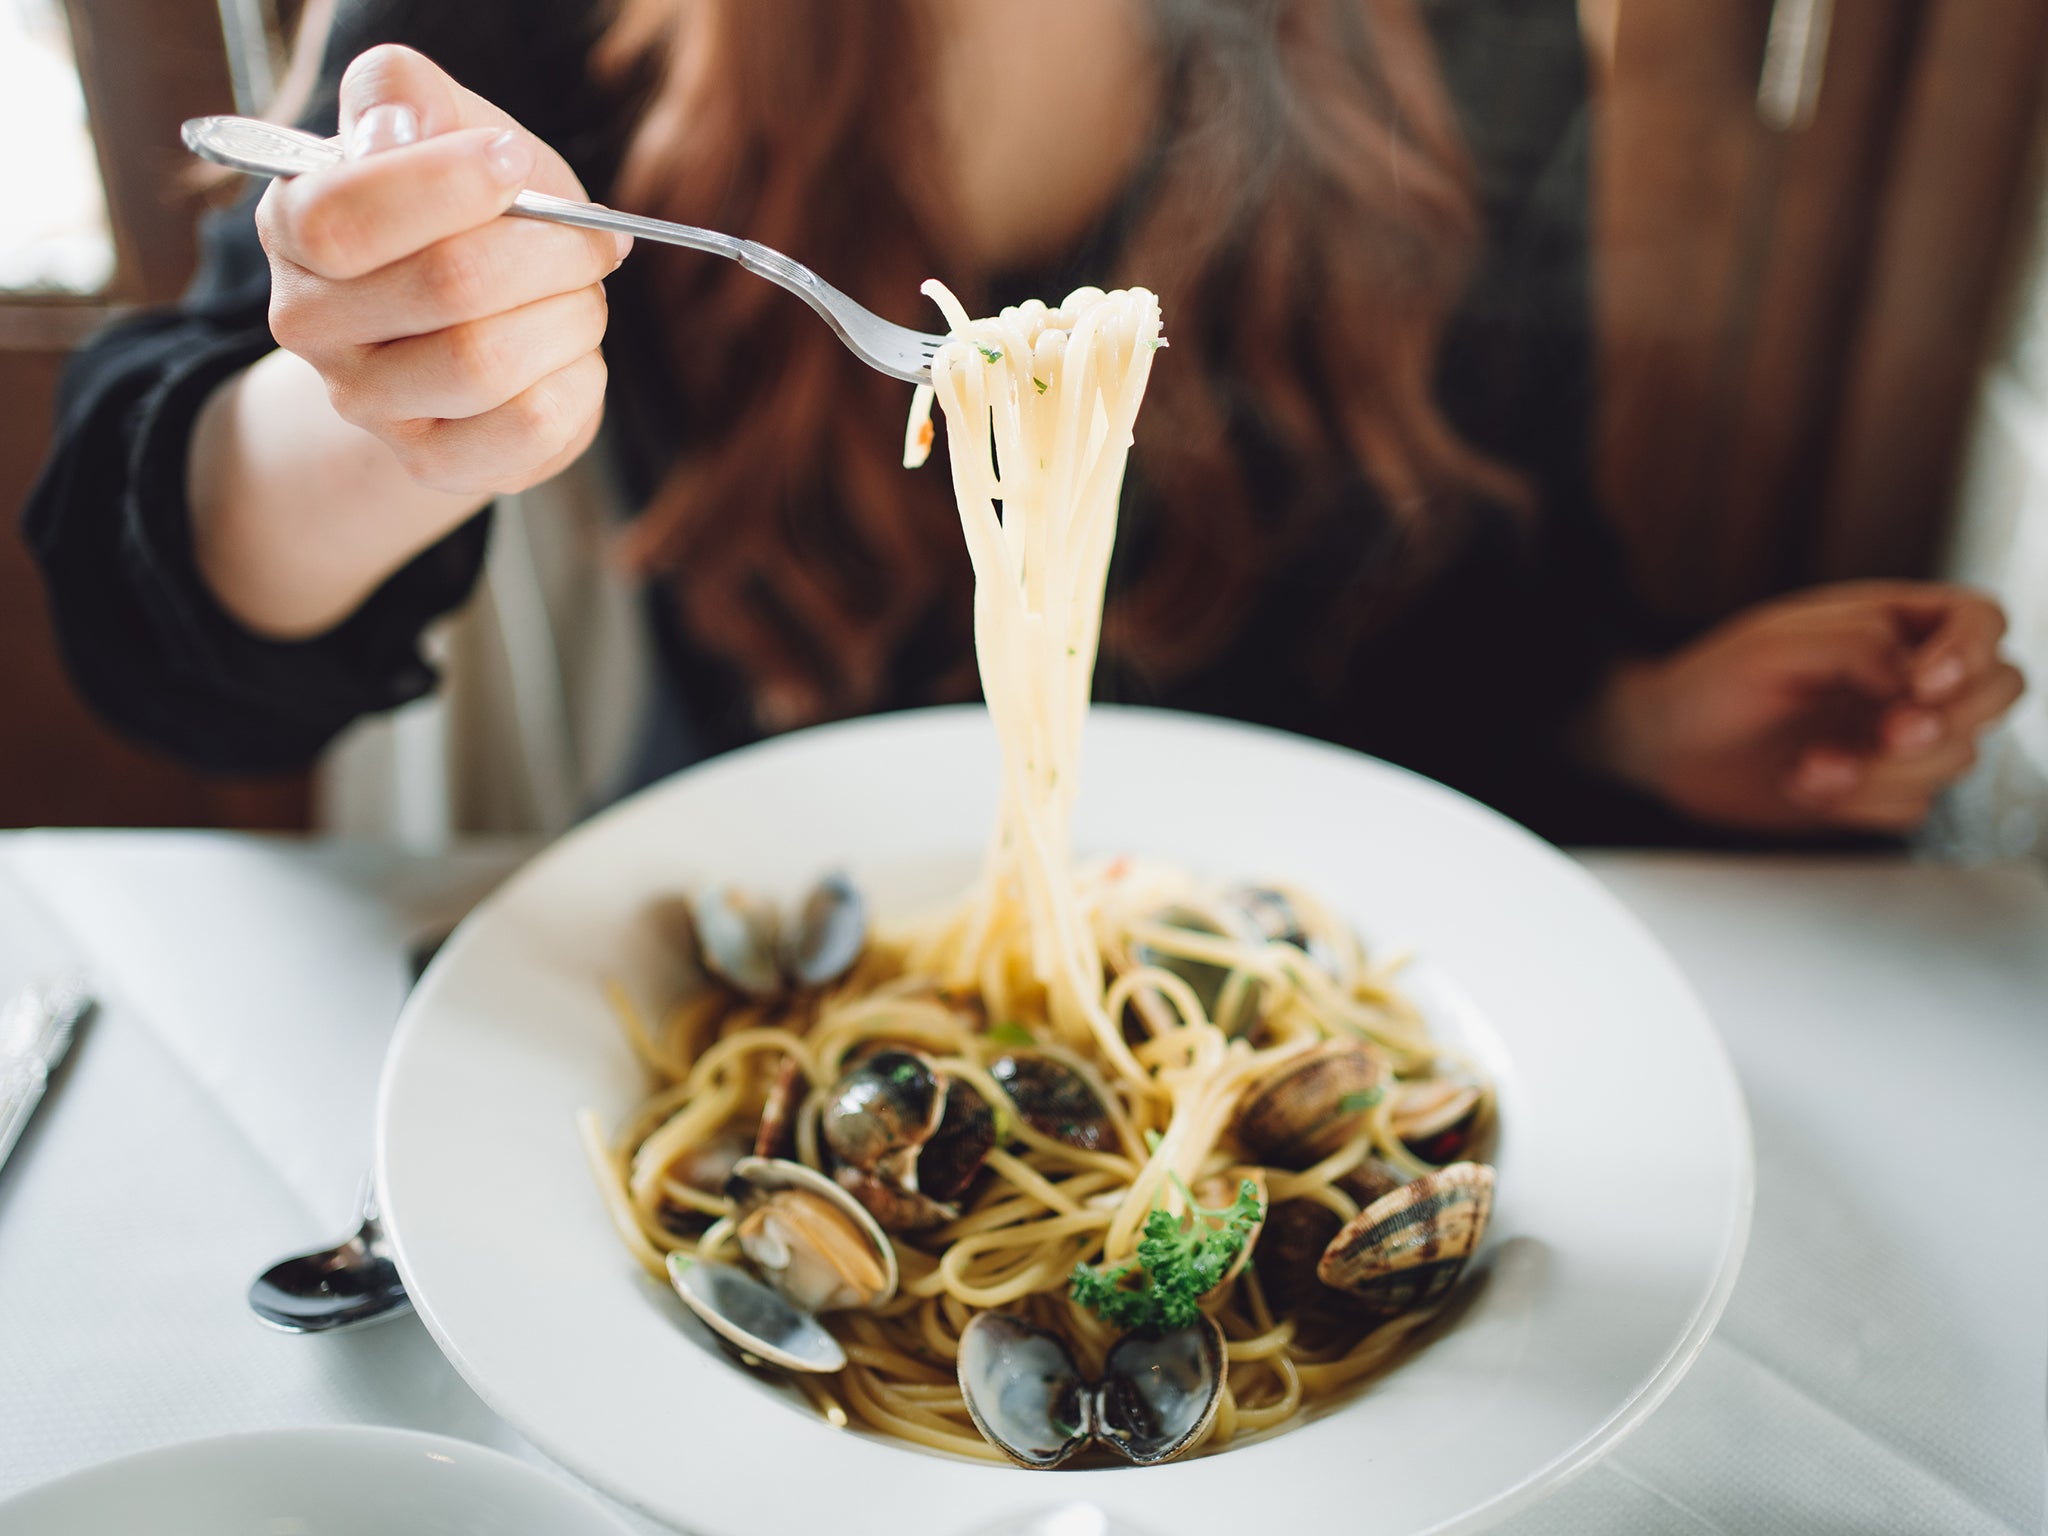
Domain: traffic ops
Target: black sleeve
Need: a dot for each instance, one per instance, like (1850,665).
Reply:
(145,641)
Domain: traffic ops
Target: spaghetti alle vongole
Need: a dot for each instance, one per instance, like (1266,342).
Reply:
(1087,1123)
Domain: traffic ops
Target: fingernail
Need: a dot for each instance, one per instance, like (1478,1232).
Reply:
(510,158)
(384,127)
(1913,731)
(1825,777)
(625,244)
(1941,676)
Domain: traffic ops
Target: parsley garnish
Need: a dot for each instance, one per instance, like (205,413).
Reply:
(993,354)
(1010,1032)
(1183,1258)
(1042,385)
(1352,1103)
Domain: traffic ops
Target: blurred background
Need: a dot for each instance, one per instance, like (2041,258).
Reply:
(1822,277)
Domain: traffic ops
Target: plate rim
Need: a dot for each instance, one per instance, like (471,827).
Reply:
(1649,1393)
(395,1437)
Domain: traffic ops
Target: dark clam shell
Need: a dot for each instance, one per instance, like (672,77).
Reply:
(1158,1393)
(1204,979)
(883,1111)
(1054,1100)
(1290,1245)
(965,1137)
(1407,1249)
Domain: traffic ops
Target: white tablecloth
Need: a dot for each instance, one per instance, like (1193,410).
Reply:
(1881,1367)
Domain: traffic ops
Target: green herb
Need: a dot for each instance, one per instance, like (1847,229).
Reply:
(1010,1032)
(1158,342)
(1182,1260)
(1352,1103)
(1042,385)
(993,354)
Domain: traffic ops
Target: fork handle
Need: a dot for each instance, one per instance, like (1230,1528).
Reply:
(258,148)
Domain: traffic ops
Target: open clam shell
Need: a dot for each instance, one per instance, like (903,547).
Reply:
(1023,1390)
(828,933)
(736,940)
(1407,1249)
(1158,1393)
(753,1317)
(809,1239)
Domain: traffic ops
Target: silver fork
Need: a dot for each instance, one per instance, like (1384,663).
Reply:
(268,149)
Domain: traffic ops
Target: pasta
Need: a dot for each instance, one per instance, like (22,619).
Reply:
(1014,1086)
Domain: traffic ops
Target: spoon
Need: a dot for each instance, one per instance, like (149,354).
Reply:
(345,1286)
(354,1282)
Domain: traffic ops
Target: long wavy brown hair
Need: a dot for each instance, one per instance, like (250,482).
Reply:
(1309,227)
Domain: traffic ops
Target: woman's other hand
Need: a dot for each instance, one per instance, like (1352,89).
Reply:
(467,343)
(1844,707)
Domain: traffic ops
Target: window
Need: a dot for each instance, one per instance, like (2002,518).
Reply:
(54,234)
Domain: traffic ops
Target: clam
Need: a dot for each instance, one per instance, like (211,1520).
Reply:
(1054,1100)
(1292,1240)
(754,948)
(1272,918)
(1157,1395)
(1204,979)
(905,1138)
(1311,1104)
(754,1318)
(1407,1249)
(813,1250)
(1250,914)
(1436,1117)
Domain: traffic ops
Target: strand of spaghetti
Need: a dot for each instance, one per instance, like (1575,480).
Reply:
(635,1026)
(616,1201)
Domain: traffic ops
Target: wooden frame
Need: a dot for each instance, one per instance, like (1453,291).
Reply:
(145,68)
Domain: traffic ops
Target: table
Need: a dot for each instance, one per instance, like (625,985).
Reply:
(1880,1369)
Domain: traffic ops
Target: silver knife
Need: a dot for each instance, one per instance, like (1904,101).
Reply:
(35,1031)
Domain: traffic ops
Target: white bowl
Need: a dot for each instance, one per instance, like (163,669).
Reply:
(333,1481)
(1624,1159)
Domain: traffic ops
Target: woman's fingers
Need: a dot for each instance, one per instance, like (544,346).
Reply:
(503,266)
(469,369)
(1910,730)
(365,214)
(1962,647)
(391,77)
(510,447)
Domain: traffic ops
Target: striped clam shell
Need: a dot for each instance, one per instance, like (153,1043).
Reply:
(1407,1248)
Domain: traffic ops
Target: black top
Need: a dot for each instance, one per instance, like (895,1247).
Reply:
(1470,685)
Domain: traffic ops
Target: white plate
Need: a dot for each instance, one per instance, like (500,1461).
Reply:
(1624,1193)
(334,1481)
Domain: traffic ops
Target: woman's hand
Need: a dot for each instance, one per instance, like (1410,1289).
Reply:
(433,354)
(465,342)
(1846,707)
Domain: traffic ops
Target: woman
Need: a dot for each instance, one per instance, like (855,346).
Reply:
(1360,507)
